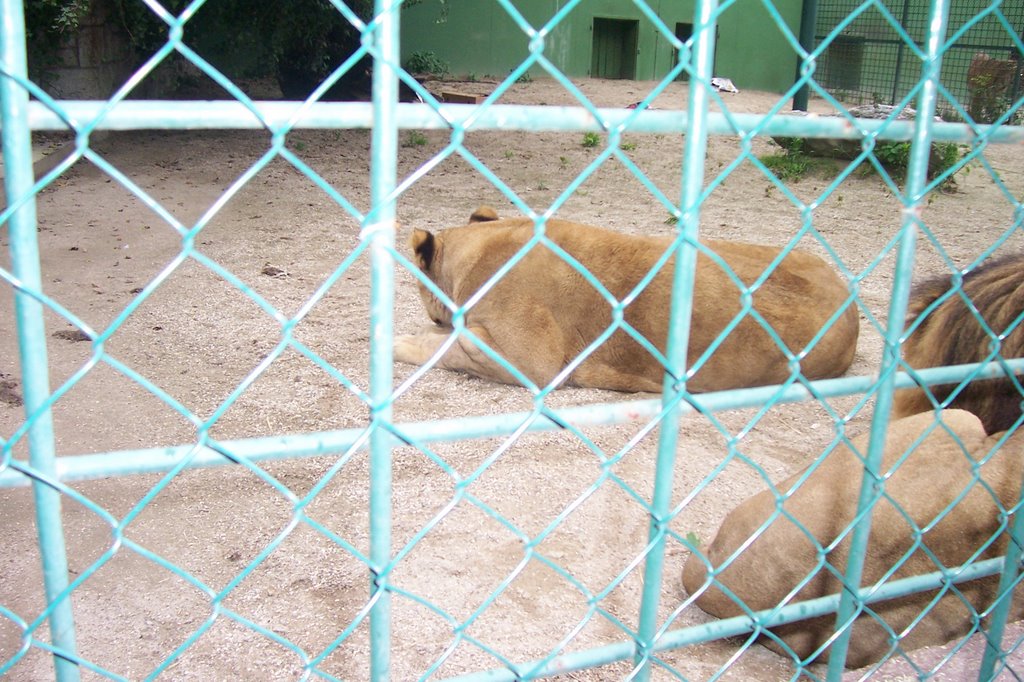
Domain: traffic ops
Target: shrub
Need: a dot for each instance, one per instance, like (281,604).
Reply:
(426,63)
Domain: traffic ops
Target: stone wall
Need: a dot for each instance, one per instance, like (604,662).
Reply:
(96,61)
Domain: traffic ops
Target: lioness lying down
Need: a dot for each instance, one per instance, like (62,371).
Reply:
(542,314)
(945,504)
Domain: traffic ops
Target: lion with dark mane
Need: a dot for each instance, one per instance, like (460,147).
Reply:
(955,331)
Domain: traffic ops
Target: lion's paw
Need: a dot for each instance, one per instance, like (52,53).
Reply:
(408,349)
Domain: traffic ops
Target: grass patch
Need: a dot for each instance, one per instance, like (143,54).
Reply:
(794,162)
(414,138)
(590,140)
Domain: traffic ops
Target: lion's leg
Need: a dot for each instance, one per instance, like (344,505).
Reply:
(462,356)
(600,375)
(528,336)
(467,356)
(536,352)
(416,349)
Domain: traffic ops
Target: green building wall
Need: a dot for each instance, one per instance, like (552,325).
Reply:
(479,38)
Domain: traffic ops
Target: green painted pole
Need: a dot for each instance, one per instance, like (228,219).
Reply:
(994,651)
(872,486)
(808,22)
(18,181)
(379,229)
(694,154)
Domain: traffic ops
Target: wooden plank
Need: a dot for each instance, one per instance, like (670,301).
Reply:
(460,97)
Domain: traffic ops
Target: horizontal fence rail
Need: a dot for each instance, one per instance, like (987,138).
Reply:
(172,115)
(156,460)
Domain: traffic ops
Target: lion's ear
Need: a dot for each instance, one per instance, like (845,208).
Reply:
(423,247)
(484,214)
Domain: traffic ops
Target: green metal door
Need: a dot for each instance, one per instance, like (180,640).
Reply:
(614,51)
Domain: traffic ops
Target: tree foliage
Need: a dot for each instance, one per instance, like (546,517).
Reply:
(299,41)
(47,23)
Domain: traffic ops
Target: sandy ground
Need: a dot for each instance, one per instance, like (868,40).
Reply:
(197,337)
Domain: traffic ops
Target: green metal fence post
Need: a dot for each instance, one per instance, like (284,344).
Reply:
(1008,581)
(679,330)
(871,485)
(808,23)
(380,230)
(900,50)
(18,181)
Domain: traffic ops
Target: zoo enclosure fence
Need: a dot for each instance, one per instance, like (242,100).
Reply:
(867,58)
(50,476)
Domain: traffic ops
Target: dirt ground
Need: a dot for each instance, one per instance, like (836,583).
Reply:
(507,524)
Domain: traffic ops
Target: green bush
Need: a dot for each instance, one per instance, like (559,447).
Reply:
(894,157)
(426,63)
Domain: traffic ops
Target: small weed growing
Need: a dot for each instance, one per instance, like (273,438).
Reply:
(591,140)
(795,162)
(894,155)
(792,164)
(945,155)
(414,138)
(895,158)
(627,146)
(299,146)
(563,162)
(509,154)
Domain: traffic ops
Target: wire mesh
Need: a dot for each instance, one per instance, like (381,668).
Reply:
(871,59)
(624,618)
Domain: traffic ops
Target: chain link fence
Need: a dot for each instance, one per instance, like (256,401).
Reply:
(395,547)
(869,58)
